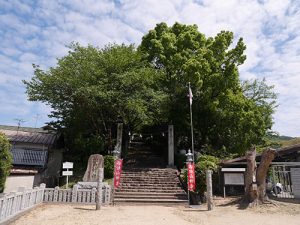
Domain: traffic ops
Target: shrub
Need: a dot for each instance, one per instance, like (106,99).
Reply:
(203,163)
(109,166)
(5,160)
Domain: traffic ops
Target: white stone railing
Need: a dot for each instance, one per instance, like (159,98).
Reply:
(76,195)
(17,202)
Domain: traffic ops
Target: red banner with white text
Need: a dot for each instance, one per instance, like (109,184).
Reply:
(117,172)
(191,176)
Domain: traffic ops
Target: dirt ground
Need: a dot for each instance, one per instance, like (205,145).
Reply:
(224,213)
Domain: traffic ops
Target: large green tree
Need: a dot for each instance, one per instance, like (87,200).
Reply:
(228,116)
(90,89)
(5,160)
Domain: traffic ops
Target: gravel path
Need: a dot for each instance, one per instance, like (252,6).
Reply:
(161,215)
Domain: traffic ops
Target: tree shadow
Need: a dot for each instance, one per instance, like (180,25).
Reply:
(239,203)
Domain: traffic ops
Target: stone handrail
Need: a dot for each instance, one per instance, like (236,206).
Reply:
(17,202)
(76,195)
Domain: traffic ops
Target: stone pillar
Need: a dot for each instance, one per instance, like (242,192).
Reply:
(118,146)
(171,145)
(209,193)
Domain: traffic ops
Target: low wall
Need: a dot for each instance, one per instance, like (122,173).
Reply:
(15,203)
(76,195)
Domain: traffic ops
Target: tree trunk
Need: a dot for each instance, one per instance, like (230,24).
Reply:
(255,184)
(265,162)
(250,183)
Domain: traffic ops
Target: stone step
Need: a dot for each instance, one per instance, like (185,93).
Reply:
(150,179)
(150,182)
(117,200)
(158,177)
(149,170)
(153,187)
(160,171)
(150,175)
(182,196)
(151,197)
(149,194)
(175,191)
(143,185)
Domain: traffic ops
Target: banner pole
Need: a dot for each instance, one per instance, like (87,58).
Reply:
(191,117)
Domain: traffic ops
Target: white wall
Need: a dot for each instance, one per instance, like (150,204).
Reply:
(13,182)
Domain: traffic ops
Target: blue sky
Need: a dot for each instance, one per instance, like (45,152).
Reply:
(38,32)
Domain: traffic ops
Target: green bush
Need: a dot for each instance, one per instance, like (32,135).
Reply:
(109,166)
(5,160)
(203,163)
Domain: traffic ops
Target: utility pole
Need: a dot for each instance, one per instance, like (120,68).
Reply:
(36,119)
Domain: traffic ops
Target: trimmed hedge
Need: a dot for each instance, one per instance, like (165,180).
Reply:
(5,160)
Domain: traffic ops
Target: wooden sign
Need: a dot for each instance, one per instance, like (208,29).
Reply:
(234,178)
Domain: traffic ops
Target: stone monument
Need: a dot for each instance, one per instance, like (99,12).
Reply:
(94,172)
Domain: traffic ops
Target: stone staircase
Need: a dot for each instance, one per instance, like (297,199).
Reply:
(143,183)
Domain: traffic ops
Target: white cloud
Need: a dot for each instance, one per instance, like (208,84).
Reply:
(39,32)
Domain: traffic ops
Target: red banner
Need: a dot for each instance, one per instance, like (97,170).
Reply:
(117,172)
(191,177)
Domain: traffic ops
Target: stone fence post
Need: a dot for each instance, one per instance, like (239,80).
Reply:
(209,190)
(74,193)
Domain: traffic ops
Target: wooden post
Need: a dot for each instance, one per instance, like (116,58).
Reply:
(209,190)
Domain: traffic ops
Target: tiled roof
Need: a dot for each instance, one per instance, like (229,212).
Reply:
(280,152)
(33,135)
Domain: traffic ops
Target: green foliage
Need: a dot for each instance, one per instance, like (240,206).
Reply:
(90,88)
(294,141)
(109,166)
(203,163)
(5,160)
(91,144)
(228,116)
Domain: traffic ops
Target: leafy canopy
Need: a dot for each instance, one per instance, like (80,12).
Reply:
(228,116)
(90,88)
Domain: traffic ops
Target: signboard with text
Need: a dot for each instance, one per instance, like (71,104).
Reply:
(117,172)
(191,176)
(67,165)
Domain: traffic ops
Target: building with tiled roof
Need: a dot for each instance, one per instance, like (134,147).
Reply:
(37,156)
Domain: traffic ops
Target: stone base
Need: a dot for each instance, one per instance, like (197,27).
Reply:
(88,185)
